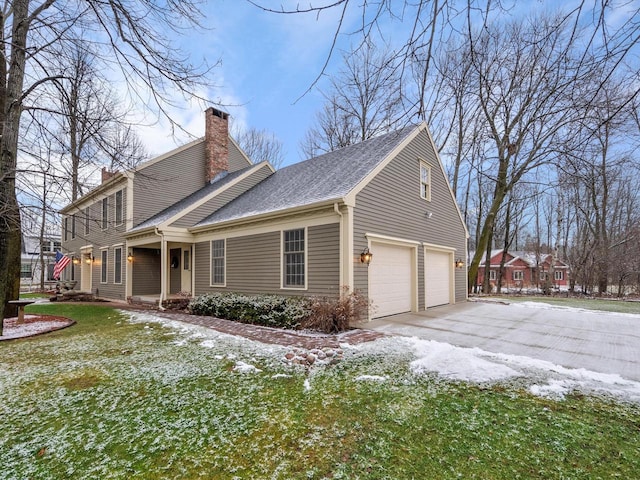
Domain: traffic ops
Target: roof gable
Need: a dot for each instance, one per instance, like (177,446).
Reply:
(187,204)
(326,178)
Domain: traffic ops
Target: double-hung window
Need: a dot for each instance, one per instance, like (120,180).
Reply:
(492,274)
(218,274)
(105,213)
(294,258)
(103,267)
(119,207)
(425,181)
(73,226)
(558,275)
(86,221)
(65,227)
(518,275)
(117,265)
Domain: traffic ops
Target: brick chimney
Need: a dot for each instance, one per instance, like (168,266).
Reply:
(106,174)
(216,138)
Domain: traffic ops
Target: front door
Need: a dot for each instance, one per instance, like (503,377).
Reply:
(175,272)
(85,272)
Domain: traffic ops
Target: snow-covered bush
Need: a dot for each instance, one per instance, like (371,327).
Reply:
(268,310)
(328,314)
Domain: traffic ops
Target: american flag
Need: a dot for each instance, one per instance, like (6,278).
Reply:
(61,262)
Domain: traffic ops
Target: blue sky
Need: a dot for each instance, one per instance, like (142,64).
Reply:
(268,61)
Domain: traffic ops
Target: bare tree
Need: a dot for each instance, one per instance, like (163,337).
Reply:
(130,36)
(363,101)
(260,145)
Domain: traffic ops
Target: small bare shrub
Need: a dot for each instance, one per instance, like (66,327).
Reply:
(332,314)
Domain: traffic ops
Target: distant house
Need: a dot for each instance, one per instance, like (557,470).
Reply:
(204,218)
(31,264)
(524,270)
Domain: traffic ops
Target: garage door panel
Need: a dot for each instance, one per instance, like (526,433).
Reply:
(437,278)
(390,276)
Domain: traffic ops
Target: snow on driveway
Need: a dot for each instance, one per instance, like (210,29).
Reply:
(428,357)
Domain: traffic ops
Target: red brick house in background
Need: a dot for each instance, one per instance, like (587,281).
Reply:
(524,270)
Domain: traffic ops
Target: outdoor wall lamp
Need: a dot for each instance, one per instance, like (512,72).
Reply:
(459,263)
(76,261)
(130,257)
(89,260)
(366,256)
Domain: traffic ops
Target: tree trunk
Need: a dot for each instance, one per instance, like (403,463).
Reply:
(10,227)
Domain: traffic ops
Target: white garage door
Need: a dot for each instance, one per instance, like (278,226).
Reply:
(437,274)
(390,275)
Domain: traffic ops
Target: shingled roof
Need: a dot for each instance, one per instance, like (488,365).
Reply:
(328,177)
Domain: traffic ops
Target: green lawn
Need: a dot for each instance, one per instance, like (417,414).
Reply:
(108,398)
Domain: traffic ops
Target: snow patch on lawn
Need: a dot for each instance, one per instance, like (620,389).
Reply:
(371,378)
(243,367)
(548,306)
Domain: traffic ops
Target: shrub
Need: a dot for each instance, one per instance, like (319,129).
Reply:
(267,310)
(335,313)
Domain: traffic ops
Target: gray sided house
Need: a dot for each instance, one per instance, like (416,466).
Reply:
(203,218)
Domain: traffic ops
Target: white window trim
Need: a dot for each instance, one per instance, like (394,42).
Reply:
(518,273)
(306,260)
(104,265)
(423,164)
(493,275)
(224,260)
(114,265)
(74,226)
(558,275)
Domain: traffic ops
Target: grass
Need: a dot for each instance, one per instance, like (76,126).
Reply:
(109,398)
(606,305)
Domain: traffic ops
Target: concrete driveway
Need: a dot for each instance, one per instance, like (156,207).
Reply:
(598,341)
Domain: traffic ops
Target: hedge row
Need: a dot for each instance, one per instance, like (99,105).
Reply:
(267,310)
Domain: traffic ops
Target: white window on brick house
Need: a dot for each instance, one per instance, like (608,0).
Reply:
(492,275)
(558,275)
(518,275)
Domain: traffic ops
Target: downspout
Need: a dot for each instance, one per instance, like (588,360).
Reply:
(336,209)
(163,262)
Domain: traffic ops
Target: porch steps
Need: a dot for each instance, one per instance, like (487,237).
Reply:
(151,302)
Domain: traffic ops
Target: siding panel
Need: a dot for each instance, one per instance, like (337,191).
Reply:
(221,200)
(253,263)
(146,271)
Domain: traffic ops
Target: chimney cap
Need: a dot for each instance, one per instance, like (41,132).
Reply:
(218,113)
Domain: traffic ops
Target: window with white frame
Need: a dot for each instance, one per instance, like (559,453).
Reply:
(492,274)
(25,270)
(543,275)
(186,261)
(558,275)
(105,213)
(518,275)
(218,251)
(73,226)
(119,208)
(103,267)
(65,228)
(294,258)
(425,181)
(117,265)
